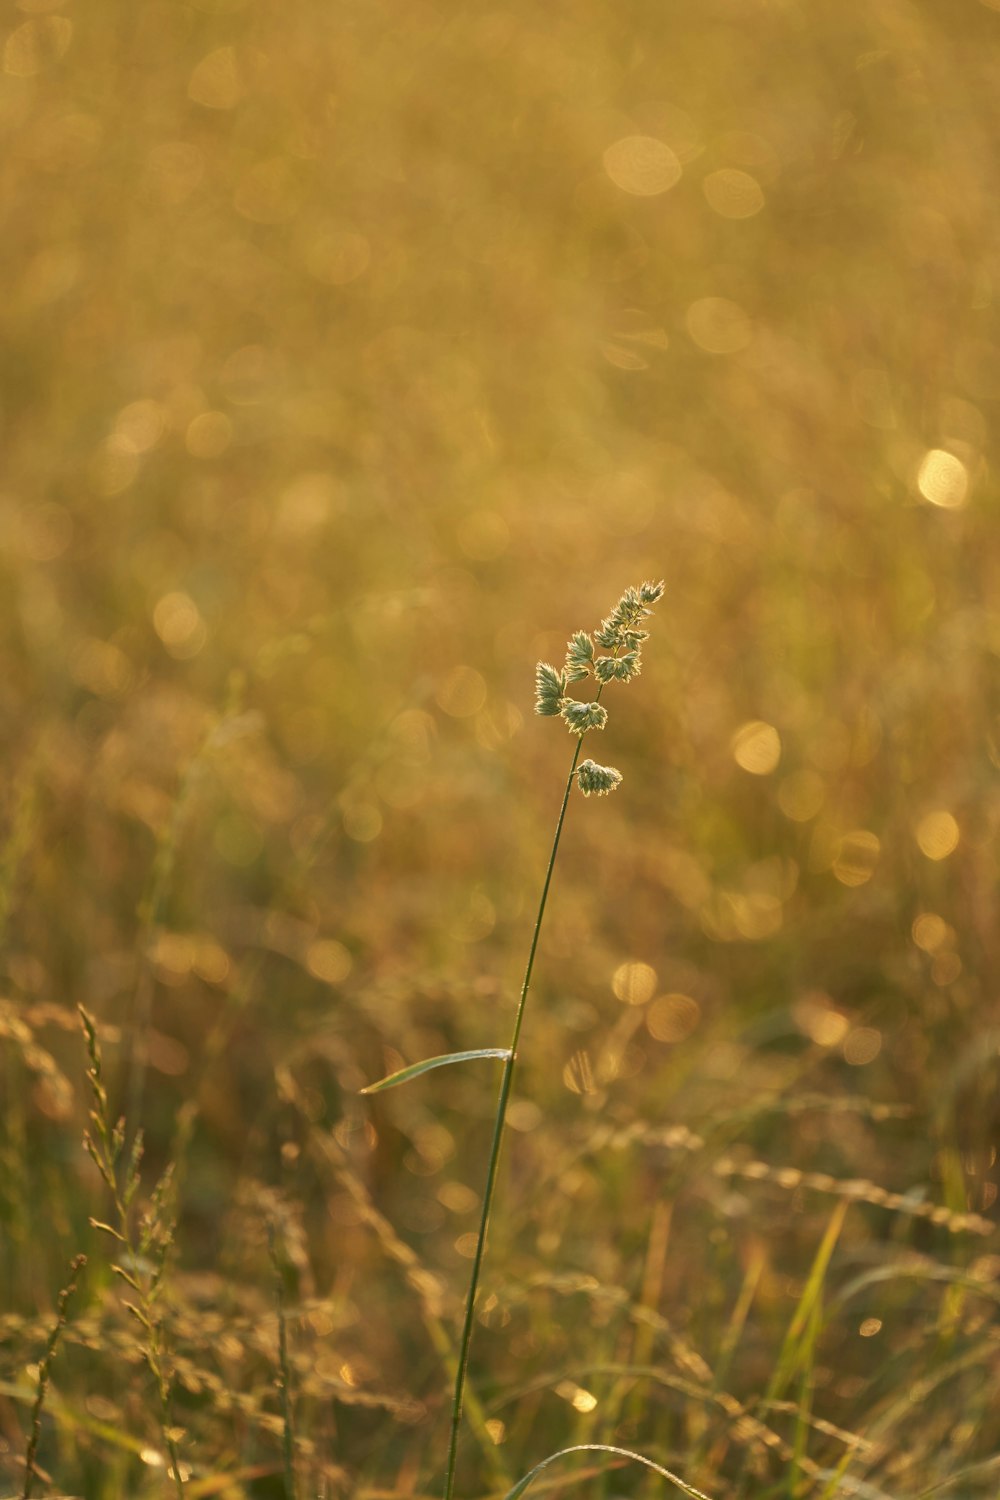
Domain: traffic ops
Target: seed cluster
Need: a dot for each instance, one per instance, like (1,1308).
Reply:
(621,637)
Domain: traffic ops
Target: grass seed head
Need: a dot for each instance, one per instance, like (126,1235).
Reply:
(595,780)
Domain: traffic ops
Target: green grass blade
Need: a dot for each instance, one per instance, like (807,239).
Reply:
(405,1074)
(686,1489)
(798,1341)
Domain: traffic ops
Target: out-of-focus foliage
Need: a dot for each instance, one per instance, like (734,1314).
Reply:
(353,355)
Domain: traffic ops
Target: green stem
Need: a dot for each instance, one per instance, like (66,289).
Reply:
(284,1368)
(506,1084)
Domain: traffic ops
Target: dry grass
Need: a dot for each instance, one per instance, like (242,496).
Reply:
(343,365)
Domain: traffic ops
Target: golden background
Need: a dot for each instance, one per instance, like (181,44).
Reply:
(354,355)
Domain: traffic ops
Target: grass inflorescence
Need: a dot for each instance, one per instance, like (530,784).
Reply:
(144,1238)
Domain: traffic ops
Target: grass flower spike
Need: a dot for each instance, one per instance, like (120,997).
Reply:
(622,637)
(595,780)
(549,689)
(583,716)
(579,656)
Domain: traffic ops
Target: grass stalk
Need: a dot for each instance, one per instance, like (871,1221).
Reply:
(44,1371)
(503,1099)
(620,635)
(145,1248)
(284,1368)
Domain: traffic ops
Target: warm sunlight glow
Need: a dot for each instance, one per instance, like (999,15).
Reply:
(634,983)
(718,325)
(756,747)
(642,165)
(856,857)
(733,194)
(943,479)
(937,834)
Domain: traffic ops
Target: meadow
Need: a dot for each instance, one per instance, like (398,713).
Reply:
(353,357)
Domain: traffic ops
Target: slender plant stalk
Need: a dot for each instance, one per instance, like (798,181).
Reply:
(621,635)
(284,1368)
(146,1248)
(44,1370)
(506,1083)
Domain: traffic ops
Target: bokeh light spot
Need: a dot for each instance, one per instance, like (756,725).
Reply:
(216,81)
(524,1115)
(733,194)
(937,834)
(306,503)
(930,932)
(208,434)
(642,165)
(862,1045)
(577,1397)
(140,425)
(462,693)
(856,857)
(113,467)
(757,915)
(756,747)
(633,983)
(177,621)
(457,1197)
(673,1017)
(817,1017)
(211,961)
(101,668)
(943,479)
(801,795)
(328,960)
(718,325)
(578,1075)
(623,358)
(946,968)
(36,44)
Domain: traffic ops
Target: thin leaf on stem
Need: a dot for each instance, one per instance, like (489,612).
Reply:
(415,1069)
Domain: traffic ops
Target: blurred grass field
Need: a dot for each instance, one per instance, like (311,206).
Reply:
(353,356)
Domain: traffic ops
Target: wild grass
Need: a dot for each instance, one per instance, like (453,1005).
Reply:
(346,355)
(659,1295)
(44,1373)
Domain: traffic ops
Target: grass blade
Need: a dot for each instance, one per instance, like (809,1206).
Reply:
(405,1074)
(686,1489)
(799,1340)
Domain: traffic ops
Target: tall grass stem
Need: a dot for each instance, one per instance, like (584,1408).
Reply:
(44,1372)
(506,1084)
(284,1367)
